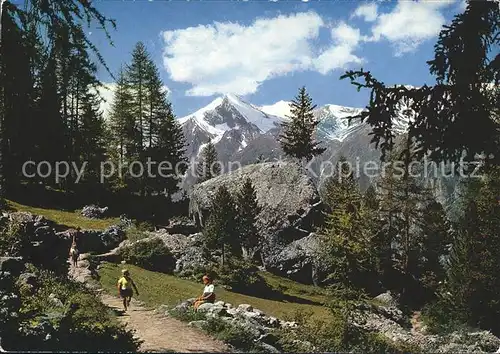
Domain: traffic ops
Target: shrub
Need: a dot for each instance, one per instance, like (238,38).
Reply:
(149,254)
(241,276)
(135,233)
(234,335)
(334,335)
(14,240)
(187,314)
(439,318)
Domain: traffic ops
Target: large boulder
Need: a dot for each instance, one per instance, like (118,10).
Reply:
(297,259)
(289,201)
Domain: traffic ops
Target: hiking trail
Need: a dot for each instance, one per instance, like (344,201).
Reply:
(158,332)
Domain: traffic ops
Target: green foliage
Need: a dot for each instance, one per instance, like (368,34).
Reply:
(220,231)
(297,138)
(413,231)
(345,246)
(145,129)
(187,315)
(334,335)
(248,209)
(209,166)
(473,273)
(149,254)
(136,233)
(237,336)
(14,240)
(241,276)
(79,322)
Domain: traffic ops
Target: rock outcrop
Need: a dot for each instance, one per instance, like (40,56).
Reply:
(297,259)
(94,212)
(245,317)
(385,318)
(289,201)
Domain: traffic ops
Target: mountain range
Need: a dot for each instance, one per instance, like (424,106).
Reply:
(246,133)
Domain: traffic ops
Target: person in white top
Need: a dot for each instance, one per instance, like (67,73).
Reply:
(208,293)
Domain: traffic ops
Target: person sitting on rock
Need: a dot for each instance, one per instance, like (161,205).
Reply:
(208,293)
(125,284)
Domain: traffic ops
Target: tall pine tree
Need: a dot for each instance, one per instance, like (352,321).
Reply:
(208,167)
(221,228)
(297,139)
(473,280)
(248,209)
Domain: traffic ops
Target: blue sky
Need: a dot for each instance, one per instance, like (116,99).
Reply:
(265,50)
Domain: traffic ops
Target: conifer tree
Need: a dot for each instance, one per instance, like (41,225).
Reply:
(208,167)
(122,125)
(138,79)
(221,229)
(170,147)
(341,188)
(436,235)
(297,139)
(473,280)
(345,245)
(413,228)
(92,139)
(248,209)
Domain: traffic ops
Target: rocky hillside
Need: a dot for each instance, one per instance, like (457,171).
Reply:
(291,207)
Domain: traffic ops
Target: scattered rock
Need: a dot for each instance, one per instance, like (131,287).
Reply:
(245,307)
(386,299)
(182,226)
(269,348)
(205,307)
(94,212)
(198,324)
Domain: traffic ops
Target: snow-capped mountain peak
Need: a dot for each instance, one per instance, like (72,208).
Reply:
(280,109)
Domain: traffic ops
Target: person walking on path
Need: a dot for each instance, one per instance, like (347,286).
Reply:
(73,251)
(125,285)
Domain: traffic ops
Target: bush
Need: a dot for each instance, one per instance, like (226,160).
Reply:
(14,240)
(149,254)
(439,318)
(187,314)
(234,335)
(333,335)
(135,233)
(63,315)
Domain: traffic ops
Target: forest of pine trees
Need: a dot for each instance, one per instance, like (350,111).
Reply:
(50,110)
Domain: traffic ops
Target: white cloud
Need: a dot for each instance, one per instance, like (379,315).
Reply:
(410,23)
(229,57)
(367,11)
(340,54)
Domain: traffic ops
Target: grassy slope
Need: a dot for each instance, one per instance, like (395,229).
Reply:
(65,218)
(156,289)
